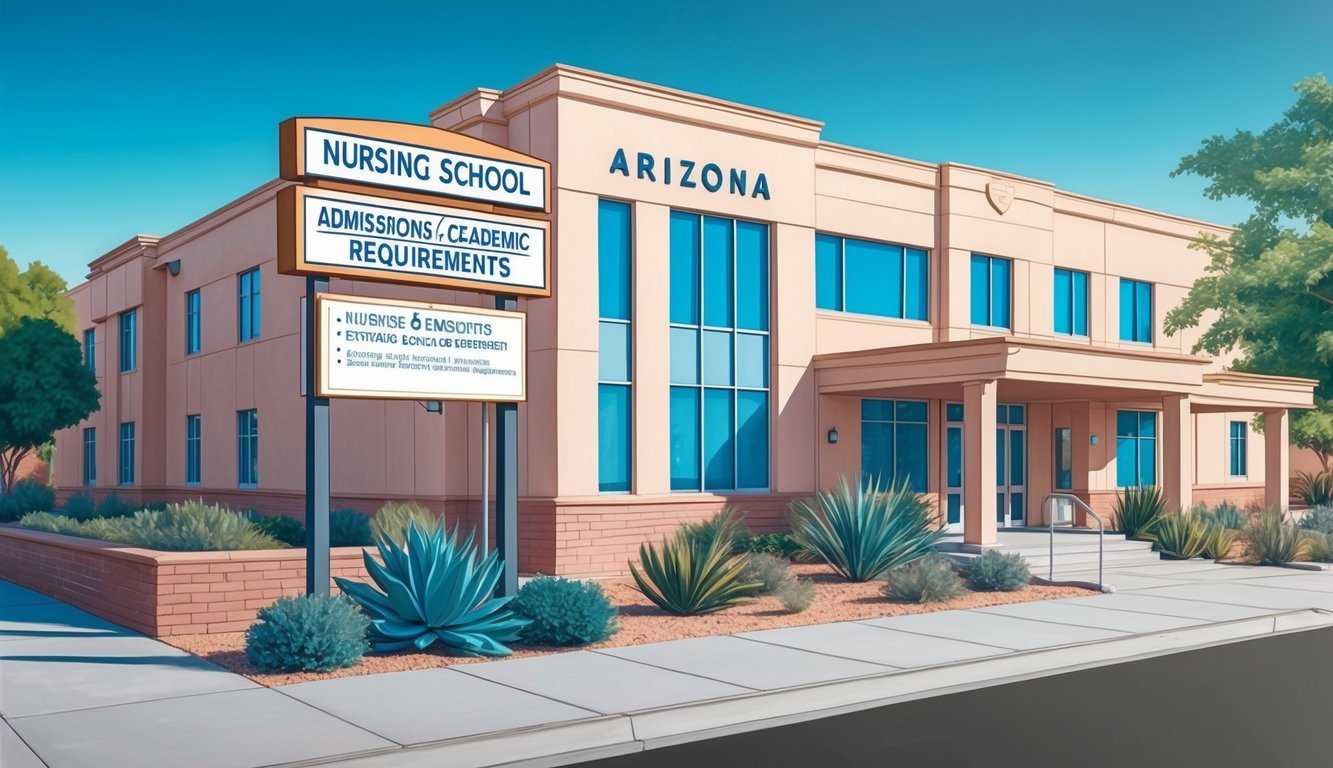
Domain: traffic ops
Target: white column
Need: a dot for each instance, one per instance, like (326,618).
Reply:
(979,401)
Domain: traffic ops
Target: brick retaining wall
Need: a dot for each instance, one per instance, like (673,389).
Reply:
(160,593)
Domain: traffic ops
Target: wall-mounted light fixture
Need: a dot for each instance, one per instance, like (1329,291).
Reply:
(174,267)
(433,406)
(1094,439)
(833,436)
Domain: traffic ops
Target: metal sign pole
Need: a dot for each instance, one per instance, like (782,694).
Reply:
(485,478)
(506,480)
(316,452)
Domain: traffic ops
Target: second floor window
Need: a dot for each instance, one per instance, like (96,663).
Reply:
(192,322)
(1135,311)
(871,278)
(90,349)
(991,291)
(247,448)
(1071,302)
(129,340)
(193,446)
(248,305)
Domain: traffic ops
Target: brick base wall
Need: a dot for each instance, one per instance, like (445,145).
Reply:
(160,593)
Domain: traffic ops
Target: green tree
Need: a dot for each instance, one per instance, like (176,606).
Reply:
(1269,285)
(44,386)
(34,292)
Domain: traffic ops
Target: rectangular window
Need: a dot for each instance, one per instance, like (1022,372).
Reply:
(129,340)
(1240,438)
(247,305)
(615,346)
(192,322)
(126,454)
(90,350)
(894,443)
(89,457)
(719,434)
(1136,319)
(991,291)
(247,448)
(1071,302)
(1136,448)
(871,278)
(1064,459)
(193,448)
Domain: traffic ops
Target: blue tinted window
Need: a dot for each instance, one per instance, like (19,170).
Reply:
(247,448)
(894,442)
(1136,316)
(752,360)
(1064,308)
(191,322)
(874,278)
(916,285)
(717,358)
(613,357)
(1239,440)
(828,272)
(751,439)
(125,454)
(719,263)
(90,457)
(685,454)
(90,349)
(248,305)
(980,290)
(719,442)
(613,436)
(1000,292)
(684,356)
(954,411)
(685,229)
(1080,302)
(990,291)
(613,259)
(129,340)
(751,276)
(1136,448)
(193,445)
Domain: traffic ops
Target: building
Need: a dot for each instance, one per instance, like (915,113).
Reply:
(742,313)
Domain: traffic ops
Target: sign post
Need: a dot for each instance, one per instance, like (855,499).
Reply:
(316,453)
(506,481)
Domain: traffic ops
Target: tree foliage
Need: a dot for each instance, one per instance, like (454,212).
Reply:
(1269,286)
(34,292)
(44,386)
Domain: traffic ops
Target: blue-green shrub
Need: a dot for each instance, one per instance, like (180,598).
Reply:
(931,579)
(114,506)
(26,496)
(348,528)
(863,531)
(311,633)
(995,571)
(80,506)
(564,612)
(288,530)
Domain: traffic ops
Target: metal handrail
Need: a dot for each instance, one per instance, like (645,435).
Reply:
(1101,534)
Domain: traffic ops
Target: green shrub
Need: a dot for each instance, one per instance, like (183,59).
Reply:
(349,528)
(1318,547)
(395,517)
(193,526)
(26,496)
(1226,514)
(995,571)
(771,571)
(796,595)
(1219,542)
(49,522)
(1318,519)
(81,506)
(1274,540)
(1313,488)
(288,530)
(1137,511)
(1181,536)
(564,612)
(692,575)
(311,633)
(114,506)
(863,531)
(931,579)
(435,588)
(725,527)
(769,543)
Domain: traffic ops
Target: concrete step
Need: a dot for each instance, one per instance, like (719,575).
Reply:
(1085,563)
(1111,545)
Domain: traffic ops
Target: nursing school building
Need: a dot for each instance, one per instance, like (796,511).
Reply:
(741,314)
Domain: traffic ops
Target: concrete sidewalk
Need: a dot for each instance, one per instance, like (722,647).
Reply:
(76,691)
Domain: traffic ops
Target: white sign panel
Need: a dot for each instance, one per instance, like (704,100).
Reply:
(392,238)
(365,160)
(382,348)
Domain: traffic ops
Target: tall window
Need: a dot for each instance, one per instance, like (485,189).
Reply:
(871,278)
(615,348)
(90,349)
(893,442)
(193,448)
(1064,459)
(247,448)
(1135,310)
(89,457)
(991,277)
(1136,448)
(129,340)
(192,322)
(1240,438)
(126,454)
(719,353)
(247,305)
(1071,302)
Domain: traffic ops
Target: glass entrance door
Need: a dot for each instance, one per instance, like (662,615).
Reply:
(953,475)
(1011,452)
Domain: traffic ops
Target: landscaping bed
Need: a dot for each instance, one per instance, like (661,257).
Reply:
(642,622)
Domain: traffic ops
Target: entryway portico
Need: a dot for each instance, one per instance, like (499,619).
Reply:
(1093,419)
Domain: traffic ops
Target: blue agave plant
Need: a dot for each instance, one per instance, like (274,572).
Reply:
(433,589)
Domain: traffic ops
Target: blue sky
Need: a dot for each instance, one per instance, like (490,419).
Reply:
(122,118)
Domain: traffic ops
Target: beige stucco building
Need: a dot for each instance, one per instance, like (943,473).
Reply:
(742,313)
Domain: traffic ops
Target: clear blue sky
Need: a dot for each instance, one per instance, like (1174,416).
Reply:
(131,117)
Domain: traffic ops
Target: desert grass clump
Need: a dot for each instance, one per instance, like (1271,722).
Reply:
(931,579)
(1318,519)
(725,527)
(864,530)
(1137,511)
(395,517)
(995,571)
(1318,547)
(1275,540)
(796,595)
(1225,514)
(1219,542)
(690,575)
(1182,536)
(1314,488)
(776,576)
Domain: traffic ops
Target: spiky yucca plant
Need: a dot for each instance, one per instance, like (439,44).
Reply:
(1274,540)
(435,589)
(1313,488)
(692,574)
(1182,536)
(863,531)
(1219,542)
(1138,510)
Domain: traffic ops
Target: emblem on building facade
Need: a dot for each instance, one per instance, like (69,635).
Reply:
(1000,194)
